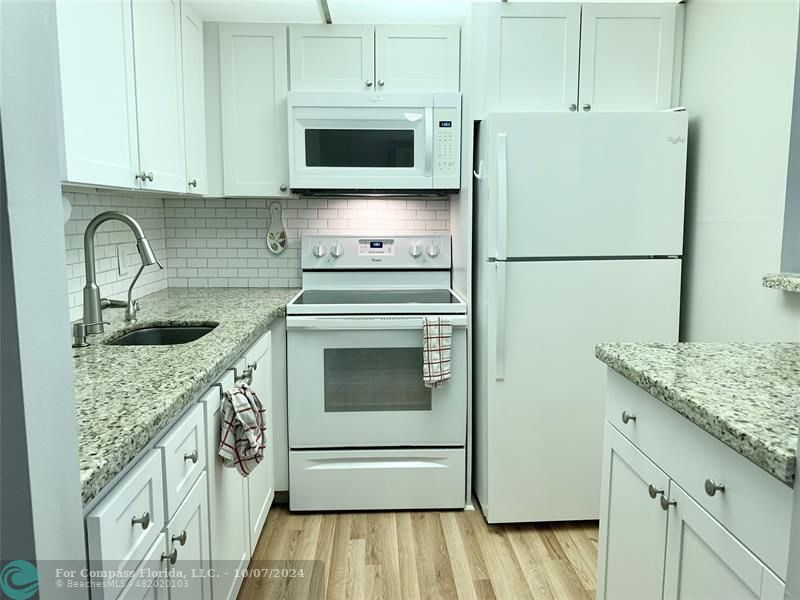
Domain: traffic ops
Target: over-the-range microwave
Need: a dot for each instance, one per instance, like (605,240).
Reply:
(362,141)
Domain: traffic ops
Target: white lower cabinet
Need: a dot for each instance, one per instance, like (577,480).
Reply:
(151,581)
(633,541)
(189,545)
(656,539)
(261,482)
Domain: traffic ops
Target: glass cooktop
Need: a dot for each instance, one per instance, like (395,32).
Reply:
(361,297)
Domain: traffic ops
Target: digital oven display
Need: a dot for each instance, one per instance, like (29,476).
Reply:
(376,245)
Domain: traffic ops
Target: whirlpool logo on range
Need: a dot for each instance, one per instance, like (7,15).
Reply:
(19,580)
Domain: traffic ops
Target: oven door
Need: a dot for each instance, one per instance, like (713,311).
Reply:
(356,382)
(361,145)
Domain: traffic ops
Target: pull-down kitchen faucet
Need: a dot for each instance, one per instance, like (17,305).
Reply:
(92,304)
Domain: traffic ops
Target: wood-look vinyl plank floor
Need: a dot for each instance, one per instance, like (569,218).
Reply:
(449,555)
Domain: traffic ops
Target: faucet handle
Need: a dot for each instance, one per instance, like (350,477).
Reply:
(79,333)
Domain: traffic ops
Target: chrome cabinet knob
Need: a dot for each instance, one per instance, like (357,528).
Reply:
(587,107)
(284,187)
(415,250)
(144,520)
(627,417)
(433,251)
(172,557)
(654,491)
(713,487)
(141,176)
(318,250)
(181,539)
(337,250)
(368,83)
(665,504)
(193,183)
(573,107)
(193,456)
(381,82)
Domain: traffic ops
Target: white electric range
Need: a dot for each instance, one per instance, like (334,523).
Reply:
(364,431)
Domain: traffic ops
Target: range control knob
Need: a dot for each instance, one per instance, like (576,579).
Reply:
(318,250)
(337,250)
(433,250)
(415,249)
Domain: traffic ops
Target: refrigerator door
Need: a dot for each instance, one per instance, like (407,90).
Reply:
(540,391)
(581,185)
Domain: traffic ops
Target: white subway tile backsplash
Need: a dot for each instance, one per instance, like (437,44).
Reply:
(222,242)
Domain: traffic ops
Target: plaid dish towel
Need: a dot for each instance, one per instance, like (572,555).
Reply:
(436,344)
(243,435)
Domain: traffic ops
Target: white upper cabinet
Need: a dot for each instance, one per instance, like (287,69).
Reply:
(533,56)
(574,57)
(97,92)
(332,57)
(194,110)
(387,58)
(627,56)
(417,58)
(253,79)
(159,94)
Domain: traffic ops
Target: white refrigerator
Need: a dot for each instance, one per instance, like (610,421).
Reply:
(579,237)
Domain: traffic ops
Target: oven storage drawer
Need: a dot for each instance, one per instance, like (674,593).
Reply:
(377,479)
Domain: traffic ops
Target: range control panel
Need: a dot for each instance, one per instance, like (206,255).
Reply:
(446,142)
(409,252)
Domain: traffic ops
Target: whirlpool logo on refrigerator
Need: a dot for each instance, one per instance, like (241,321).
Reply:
(676,139)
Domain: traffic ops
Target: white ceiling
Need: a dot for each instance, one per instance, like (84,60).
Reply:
(342,11)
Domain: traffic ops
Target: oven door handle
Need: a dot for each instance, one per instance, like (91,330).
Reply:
(365,323)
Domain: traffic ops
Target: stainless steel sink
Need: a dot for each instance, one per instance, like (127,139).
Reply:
(167,335)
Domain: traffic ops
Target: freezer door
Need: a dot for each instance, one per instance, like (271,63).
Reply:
(540,391)
(580,185)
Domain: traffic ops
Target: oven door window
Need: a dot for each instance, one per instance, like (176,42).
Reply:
(358,148)
(375,379)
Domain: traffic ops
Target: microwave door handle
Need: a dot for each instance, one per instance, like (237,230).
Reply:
(428,141)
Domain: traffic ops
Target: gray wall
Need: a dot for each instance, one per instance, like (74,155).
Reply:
(790,260)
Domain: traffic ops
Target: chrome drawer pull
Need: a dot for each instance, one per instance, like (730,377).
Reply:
(627,417)
(172,556)
(653,491)
(665,504)
(192,456)
(144,520)
(712,487)
(180,538)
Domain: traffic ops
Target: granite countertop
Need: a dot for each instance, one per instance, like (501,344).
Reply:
(789,282)
(126,395)
(745,395)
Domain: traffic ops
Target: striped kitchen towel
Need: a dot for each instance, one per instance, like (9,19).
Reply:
(243,431)
(436,344)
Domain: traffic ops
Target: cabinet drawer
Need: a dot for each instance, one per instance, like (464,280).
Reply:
(377,479)
(183,457)
(755,507)
(115,540)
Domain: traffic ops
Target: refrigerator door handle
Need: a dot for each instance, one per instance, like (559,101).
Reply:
(479,173)
(502,197)
(500,322)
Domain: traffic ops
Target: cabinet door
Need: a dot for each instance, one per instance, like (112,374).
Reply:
(337,58)
(227,499)
(705,561)
(261,482)
(633,526)
(159,94)
(97,92)
(194,109)
(253,75)
(151,581)
(417,58)
(187,534)
(533,56)
(627,56)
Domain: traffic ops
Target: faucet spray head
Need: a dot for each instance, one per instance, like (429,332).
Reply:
(146,253)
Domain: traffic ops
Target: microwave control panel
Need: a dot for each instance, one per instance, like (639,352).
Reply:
(446,143)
